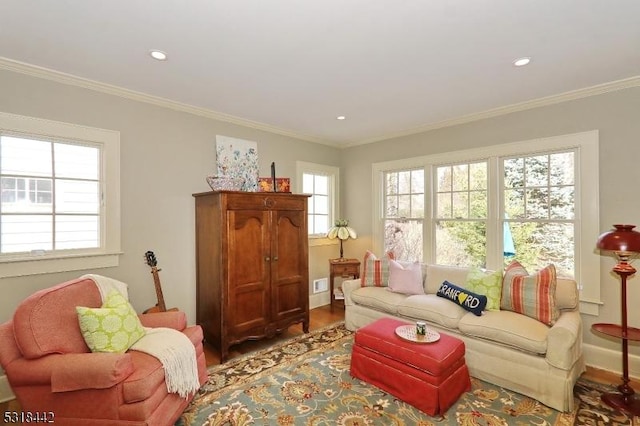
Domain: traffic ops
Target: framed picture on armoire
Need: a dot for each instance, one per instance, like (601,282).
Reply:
(238,158)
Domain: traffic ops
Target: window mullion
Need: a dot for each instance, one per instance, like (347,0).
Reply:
(495,213)
(53,197)
(429,224)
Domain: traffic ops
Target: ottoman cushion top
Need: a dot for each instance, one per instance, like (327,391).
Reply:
(433,358)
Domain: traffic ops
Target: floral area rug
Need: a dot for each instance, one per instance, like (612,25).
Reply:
(306,381)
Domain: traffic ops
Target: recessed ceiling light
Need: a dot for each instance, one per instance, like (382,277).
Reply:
(158,54)
(521,62)
(341,117)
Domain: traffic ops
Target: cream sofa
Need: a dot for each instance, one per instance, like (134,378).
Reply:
(502,347)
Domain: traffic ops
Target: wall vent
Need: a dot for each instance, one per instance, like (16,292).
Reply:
(320,285)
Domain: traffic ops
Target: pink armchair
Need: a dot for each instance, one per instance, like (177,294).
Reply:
(51,369)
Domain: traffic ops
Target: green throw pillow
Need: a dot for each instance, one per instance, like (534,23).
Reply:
(114,327)
(487,283)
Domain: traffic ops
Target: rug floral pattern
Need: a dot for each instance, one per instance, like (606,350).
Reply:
(306,381)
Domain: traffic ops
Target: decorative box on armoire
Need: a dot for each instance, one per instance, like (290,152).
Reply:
(252,265)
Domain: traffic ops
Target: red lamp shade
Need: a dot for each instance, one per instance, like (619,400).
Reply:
(621,240)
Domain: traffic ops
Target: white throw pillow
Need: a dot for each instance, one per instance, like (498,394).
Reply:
(405,277)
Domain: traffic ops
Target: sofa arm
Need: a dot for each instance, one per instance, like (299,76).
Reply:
(564,342)
(348,286)
(90,371)
(170,319)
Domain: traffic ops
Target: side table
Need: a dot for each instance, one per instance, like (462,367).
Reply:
(343,268)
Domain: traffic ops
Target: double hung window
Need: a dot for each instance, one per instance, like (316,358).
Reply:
(60,196)
(404,213)
(321,183)
(461,213)
(531,201)
(539,209)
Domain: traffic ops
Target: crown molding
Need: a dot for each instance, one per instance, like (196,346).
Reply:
(508,109)
(69,79)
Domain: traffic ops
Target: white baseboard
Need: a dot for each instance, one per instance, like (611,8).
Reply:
(611,360)
(5,389)
(319,299)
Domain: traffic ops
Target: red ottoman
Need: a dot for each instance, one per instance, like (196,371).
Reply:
(429,376)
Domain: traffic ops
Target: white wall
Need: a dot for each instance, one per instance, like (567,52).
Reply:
(616,115)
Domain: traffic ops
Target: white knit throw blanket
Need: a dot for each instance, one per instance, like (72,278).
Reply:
(177,355)
(106,285)
(171,347)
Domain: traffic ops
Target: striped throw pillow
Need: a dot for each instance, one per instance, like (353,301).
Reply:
(531,295)
(375,272)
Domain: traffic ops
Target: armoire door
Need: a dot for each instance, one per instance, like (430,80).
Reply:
(289,270)
(248,272)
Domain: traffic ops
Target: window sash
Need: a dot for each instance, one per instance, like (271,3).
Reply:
(323,204)
(317,185)
(27,225)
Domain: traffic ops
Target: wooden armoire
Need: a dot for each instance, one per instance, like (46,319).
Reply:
(252,265)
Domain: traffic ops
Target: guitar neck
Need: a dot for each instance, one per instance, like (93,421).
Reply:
(156,281)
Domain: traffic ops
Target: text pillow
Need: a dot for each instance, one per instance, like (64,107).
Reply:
(405,277)
(113,327)
(469,300)
(375,272)
(531,295)
(488,284)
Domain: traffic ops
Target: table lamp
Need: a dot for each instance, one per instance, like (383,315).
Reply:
(342,231)
(623,242)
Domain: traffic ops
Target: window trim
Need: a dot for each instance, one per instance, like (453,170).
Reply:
(334,194)
(108,254)
(587,199)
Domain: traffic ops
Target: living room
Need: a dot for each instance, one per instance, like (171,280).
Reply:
(167,150)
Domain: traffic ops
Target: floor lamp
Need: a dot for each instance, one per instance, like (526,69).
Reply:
(623,242)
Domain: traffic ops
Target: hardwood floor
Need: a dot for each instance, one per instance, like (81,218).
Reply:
(322,317)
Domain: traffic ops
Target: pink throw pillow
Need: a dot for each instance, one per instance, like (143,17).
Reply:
(405,277)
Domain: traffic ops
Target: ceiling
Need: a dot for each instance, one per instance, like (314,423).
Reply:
(292,66)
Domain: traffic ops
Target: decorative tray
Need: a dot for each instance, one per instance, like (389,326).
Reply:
(408,332)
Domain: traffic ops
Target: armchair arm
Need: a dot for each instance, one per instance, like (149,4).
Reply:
(10,350)
(67,372)
(170,319)
(90,371)
(564,342)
